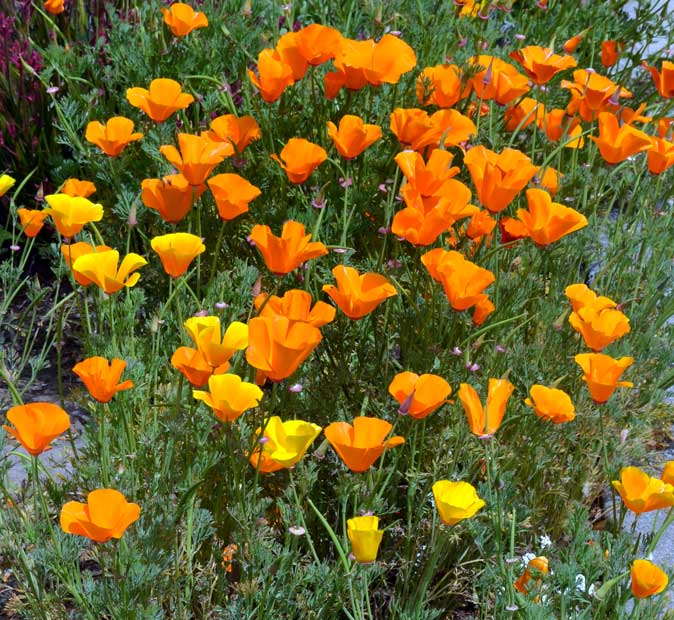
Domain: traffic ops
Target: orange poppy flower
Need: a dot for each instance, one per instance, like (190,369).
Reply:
(172,197)
(318,43)
(71,252)
(106,515)
(581,296)
(571,45)
(598,326)
(75,187)
(512,230)
(557,124)
(408,125)
(55,7)
(448,128)
(229,396)
(36,425)
(32,220)
(642,493)
(663,79)
(498,80)
(526,111)
(616,143)
(238,131)
(480,225)
(197,157)
(217,350)
(182,19)
(429,178)
(498,177)
(551,404)
(648,579)
(484,422)
(113,137)
(288,47)
(456,501)
(295,305)
(419,396)
(540,566)
(660,155)
(357,295)
(360,445)
(163,98)
(71,214)
(299,158)
(176,251)
(285,253)
(602,374)
(668,473)
(284,443)
(101,268)
(101,377)
(592,93)
(610,50)
(483,308)
(232,194)
(439,85)
(549,181)
(353,135)
(277,346)
(547,221)
(274,75)
(541,64)
(192,365)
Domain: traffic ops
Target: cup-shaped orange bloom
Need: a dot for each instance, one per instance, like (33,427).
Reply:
(610,51)
(197,157)
(408,125)
(485,421)
(176,251)
(101,377)
(299,158)
(172,197)
(498,80)
(106,515)
(602,374)
(285,253)
(660,155)
(456,501)
(429,178)
(232,194)
(71,214)
(55,7)
(182,19)
(551,404)
(229,396)
(581,296)
(547,221)
(663,79)
(668,473)
(616,143)
(113,137)
(360,445)
(353,136)
(277,346)
(73,251)
(599,327)
(288,46)
(217,350)
(520,115)
(318,43)
(102,269)
(275,75)
(357,295)
(32,220)
(163,98)
(538,565)
(36,425)
(647,579)
(295,305)
(541,64)
(642,493)
(592,93)
(557,123)
(239,131)
(419,396)
(76,187)
(365,537)
(439,85)
(498,177)
(282,444)
(193,366)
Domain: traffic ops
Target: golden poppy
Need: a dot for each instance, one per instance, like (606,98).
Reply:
(232,194)
(113,137)
(229,396)
(217,350)
(668,473)
(32,220)
(419,396)
(176,251)
(648,579)
(592,93)
(192,365)
(660,155)
(299,158)
(365,537)
(616,143)
(285,253)
(288,47)
(161,100)
(663,79)
(101,377)
(601,373)
(551,404)
(295,305)
(541,64)
(571,45)
(581,296)
(6,183)
(197,157)
(274,75)
(484,422)
(353,136)
(182,19)
(557,123)
(547,221)
(172,197)
(107,514)
(599,327)
(456,501)
(282,444)
(540,564)
(76,187)
(36,425)
(610,50)
(239,131)
(439,85)
(71,214)
(318,43)
(101,268)
(642,493)
(358,294)
(71,252)
(497,80)
(55,7)
(520,115)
